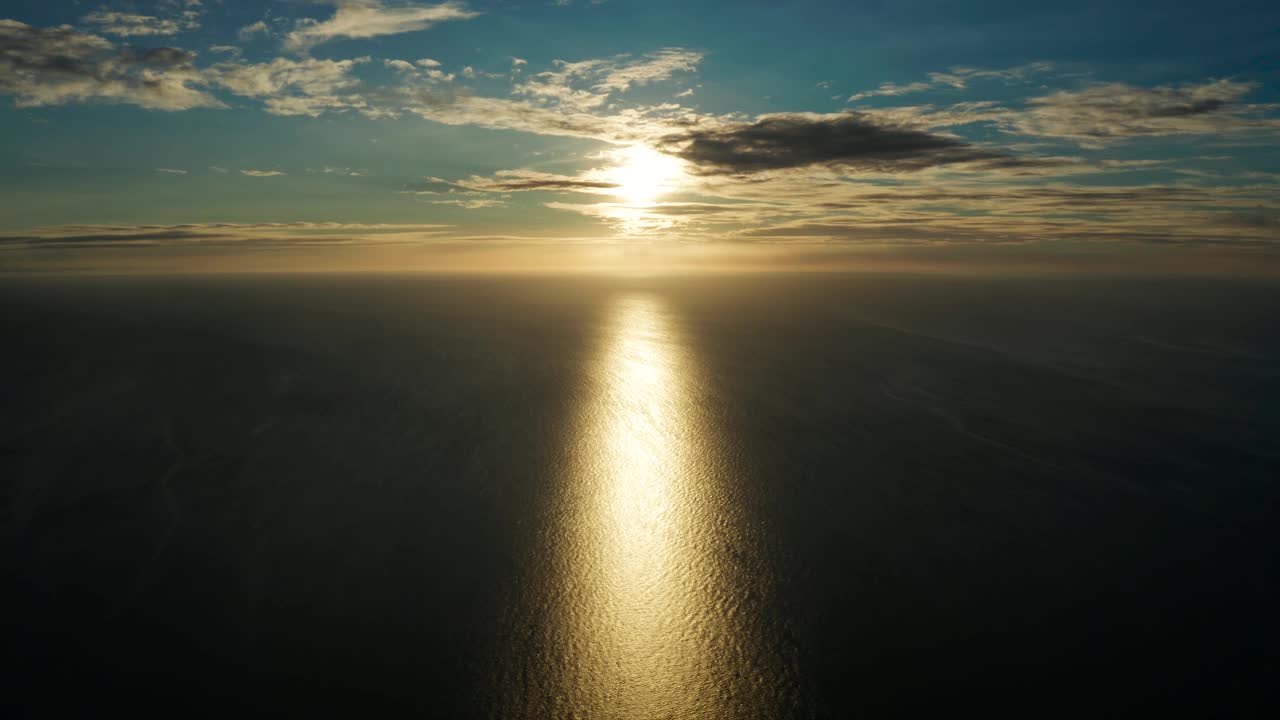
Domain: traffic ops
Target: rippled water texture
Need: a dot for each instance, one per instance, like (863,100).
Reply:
(787,497)
(645,589)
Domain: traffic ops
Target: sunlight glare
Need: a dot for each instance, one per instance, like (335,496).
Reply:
(650,581)
(642,174)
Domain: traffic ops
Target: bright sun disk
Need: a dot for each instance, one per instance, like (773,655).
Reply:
(642,174)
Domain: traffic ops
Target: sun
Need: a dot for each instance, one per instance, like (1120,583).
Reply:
(643,174)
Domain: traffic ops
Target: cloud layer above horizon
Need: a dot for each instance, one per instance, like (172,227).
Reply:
(188,129)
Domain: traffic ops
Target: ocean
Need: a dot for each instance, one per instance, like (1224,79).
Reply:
(714,496)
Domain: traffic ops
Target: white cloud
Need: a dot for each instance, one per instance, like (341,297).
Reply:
(309,76)
(171,171)
(426,70)
(656,67)
(293,87)
(891,89)
(249,31)
(587,84)
(558,85)
(630,125)
(262,173)
(471,73)
(371,18)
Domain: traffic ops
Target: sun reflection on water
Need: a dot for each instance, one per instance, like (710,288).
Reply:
(650,584)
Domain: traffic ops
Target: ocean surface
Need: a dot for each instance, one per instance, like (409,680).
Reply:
(765,496)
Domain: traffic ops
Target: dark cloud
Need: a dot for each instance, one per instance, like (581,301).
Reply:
(852,140)
(520,181)
(53,66)
(213,235)
(161,56)
(58,49)
(1261,218)
(1195,107)
(996,232)
(1042,198)
(516,185)
(110,239)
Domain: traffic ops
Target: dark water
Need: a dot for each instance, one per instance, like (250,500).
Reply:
(759,497)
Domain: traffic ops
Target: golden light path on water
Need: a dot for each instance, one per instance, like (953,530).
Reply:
(650,585)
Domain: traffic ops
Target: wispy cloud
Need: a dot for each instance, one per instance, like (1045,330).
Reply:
(656,67)
(530,180)
(955,78)
(371,18)
(508,114)
(892,89)
(349,172)
(181,19)
(959,76)
(1114,111)
(588,84)
(263,173)
(471,203)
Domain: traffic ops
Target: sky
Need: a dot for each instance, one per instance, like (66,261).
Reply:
(276,135)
